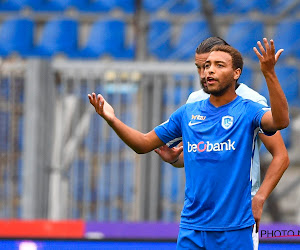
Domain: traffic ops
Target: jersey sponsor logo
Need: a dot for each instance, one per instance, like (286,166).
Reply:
(198,117)
(209,147)
(193,123)
(227,121)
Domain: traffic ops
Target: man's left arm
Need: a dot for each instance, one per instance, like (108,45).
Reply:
(278,118)
(278,165)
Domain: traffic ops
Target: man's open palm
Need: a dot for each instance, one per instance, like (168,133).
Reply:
(102,107)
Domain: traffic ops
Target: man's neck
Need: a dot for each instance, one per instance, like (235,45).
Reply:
(227,97)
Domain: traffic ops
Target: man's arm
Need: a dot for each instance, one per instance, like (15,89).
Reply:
(278,118)
(278,165)
(139,142)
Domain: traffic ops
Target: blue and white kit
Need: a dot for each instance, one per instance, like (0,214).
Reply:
(218,147)
(250,94)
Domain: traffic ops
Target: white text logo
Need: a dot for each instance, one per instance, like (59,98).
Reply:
(208,146)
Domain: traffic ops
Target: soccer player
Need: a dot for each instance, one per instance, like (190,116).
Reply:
(218,136)
(274,143)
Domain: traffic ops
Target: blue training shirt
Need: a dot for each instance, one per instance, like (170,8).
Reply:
(218,148)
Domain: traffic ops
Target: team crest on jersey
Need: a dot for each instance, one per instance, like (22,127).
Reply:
(227,121)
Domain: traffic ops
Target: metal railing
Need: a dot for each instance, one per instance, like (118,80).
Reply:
(72,165)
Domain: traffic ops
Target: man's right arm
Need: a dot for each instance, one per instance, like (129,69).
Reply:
(139,142)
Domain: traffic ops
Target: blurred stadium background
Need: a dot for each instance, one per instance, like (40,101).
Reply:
(59,161)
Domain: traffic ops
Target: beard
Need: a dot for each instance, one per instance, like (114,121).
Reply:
(220,90)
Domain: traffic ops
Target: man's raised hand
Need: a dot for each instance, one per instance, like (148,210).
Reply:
(102,107)
(267,56)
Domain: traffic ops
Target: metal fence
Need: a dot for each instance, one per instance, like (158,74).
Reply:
(107,180)
(72,164)
(11,139)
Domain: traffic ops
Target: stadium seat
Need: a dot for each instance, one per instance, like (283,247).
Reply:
(242,7)
(58,36)
(185,6)
(244,34)
(17,5)
(93,5)
(269,7)
(221,7)
(225,7)
(286,36)
(104,40)
(159,39)
(12,5)
(172,6)
(154,6)
(288,77)
(51,5)
(127,6)
(16,35)
(192,33)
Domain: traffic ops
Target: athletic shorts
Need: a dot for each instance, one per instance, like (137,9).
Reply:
(212,240)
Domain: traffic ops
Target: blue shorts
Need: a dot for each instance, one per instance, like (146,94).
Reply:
(235,239)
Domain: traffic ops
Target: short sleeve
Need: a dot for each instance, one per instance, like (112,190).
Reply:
(259,110)
(171,129)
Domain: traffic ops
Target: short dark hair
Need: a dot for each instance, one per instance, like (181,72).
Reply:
(237,59)
(206,45)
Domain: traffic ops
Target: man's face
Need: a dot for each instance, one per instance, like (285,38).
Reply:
(199,62)
(219,73)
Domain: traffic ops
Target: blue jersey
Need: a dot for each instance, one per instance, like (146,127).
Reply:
(247,93)
(218,148)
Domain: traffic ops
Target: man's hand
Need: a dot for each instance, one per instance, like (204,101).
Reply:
(169,154)
(257,209)
(267,57)
(102,107)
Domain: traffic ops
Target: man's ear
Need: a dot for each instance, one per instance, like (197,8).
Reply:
(237,73)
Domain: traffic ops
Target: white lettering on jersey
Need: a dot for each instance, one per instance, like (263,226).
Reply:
(208,146)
